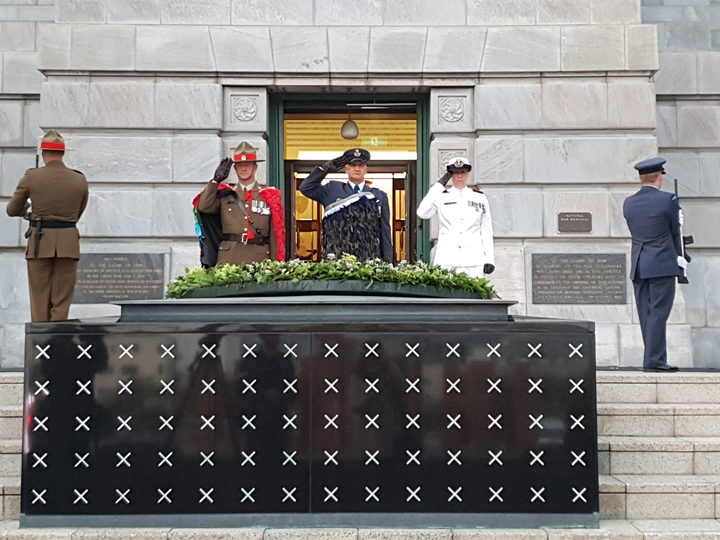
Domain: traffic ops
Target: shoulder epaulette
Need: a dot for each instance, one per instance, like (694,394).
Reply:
(477,190)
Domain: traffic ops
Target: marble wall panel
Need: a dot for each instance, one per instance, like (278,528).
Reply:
(11,122)
(508,106)
(184,255)
(607,339)
(666,131)
(447,50)
(698,125)
(641,47)
(709,177)
(120,104)
(516,213)
(134,11)
(679,345)
(412,12)
(81,11)
(615,12)
(9,228)
(702,219)
(396,49)
(195,157)
(563,12)
(706,343)
(677,73)
(696,294)
(593,48)
(683,36)
(116,213)
(631,104)
(509,276)
(120,158)
(607,314)
(54,46)
(711,280)
(348,49)
(245,109)
(618,225)
(685,166)
(20,74)
(254,42)
(205,12)
(300,49)
(501,12)
(36,13)
(13,164)
(173,48)
(498,159)
(173,216)
(581,103)
(444,148)
(17,36)
(117,43)
(451,110)
(31,124)
(262,12)
(531,49)
(708,72)
(12,353)
(188,105)
(63,103)
(562,200)
(14,296)
(370,12)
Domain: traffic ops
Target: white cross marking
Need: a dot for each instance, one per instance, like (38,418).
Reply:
(290,386)
(493,350)
(80,496)
(495,494)
(207,422)
(412,457)
(84,352)
(537,458)
(412,494)
(372,457)
(413,421)
(122,496)
(495,457)
(494,386)
(534,350)
(42,351)
(331,386)
(166,423)
(83,388)
(331,350)
(372,385)
(249,386)
(290,421)
(575,350)
(208,386)
(330,457)
(289,494)
(126,351)
(535,386)
(249,421)
(248,458)
(123,459)
(494,421)
(578,458)
(372,494)
(454,457)
(579,494)
(247,494)
(577,422)
(164,496)
(207,459)
(577,386)
(412,385)
(165,459)
(124,423)
(81,460)
(331,421)
(42,388)
(289,351)
(453,421)
(167,387)
(535,421)
(40,423)
(412,349)
(452,350)
(454,494)
(372,421)
(167,351)
(289,458)
(209,350)
(125,387)
(40,460)
(537,494)
(39,496)
(371,350)
(452,385)
(250,351)
(82,424)
(330,494)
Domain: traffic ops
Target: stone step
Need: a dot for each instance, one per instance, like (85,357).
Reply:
(647,387)
(11,388)
(659,419)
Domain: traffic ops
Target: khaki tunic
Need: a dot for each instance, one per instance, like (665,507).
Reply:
(233,210)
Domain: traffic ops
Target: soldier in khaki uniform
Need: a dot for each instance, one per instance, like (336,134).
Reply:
(251,215)
(59,196)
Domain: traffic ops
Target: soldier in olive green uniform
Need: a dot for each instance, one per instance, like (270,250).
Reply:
(251,215)
(59,196)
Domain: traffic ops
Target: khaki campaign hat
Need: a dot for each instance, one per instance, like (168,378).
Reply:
(246,152)
(52,140)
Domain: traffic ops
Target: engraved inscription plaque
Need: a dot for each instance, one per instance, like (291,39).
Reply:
(579,278)
(104,277)
(574,222)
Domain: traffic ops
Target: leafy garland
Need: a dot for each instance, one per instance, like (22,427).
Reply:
(345,268)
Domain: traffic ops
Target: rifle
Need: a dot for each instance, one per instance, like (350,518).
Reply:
(684,240)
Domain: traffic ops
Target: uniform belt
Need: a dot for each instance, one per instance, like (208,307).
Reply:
(42,224)
(263,241)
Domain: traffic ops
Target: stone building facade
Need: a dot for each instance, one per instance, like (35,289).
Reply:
(552,101)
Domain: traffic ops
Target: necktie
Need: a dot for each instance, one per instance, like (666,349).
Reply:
(357,188)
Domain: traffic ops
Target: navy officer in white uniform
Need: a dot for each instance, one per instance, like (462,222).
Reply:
(653,217)
(465,240)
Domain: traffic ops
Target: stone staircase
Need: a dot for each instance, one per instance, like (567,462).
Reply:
(659,462)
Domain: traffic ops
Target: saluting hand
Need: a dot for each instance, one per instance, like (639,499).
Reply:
(445,178)
(223,170)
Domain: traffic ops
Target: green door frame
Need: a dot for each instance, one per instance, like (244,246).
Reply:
(279,104)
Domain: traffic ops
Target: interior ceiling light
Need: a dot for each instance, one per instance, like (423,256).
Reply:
(349,129)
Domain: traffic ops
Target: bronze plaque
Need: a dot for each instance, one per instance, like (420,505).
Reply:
(104,277)
(574,222)
(579,278)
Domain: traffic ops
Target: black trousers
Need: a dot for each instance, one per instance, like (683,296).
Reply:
(654,298)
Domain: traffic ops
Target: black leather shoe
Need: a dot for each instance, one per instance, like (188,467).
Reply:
(664,367)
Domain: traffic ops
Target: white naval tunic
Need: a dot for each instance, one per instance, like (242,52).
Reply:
(465,240)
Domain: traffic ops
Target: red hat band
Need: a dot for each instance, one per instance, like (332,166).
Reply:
(52,146)
(245,157)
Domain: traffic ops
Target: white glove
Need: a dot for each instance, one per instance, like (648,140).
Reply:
(681,217)
(681,262)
